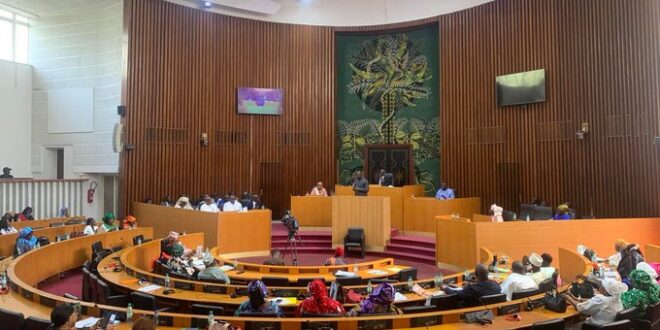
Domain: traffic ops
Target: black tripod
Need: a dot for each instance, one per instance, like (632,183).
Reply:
(292,245)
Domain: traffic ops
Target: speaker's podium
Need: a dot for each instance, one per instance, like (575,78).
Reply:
(369,212)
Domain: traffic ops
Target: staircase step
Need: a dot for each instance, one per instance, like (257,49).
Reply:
(416,241)
(410,249)
(304,241)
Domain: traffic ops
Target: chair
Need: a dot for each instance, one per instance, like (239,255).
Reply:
(61,238)
(349,281)
(418,309)
(147,302)
(57,224)
(445,302)
(542,213)
(105,296)
(43,241)
(33,323)
(493,299)
(73,222)
(275,281)
(200,309)
(651,320)
(11,320)
(93,288)
(355,239)
(407,273)
(508,216)
(526,210)
(85,284)
(546,285)
(627,314)
(555,324)
(139,238)
(616,325)
(524,294)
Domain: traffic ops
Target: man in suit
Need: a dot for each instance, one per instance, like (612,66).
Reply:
(471,292)
(275,259)
(360,184)
(385,179)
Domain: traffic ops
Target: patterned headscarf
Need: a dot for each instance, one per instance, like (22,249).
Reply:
(382,295)
(645,293)
(319,302)
(257,292)
(63,211)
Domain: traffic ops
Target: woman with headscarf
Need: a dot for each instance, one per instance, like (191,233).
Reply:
(630,257)
(257,303)
(604,305)
(337,259)
(380,301)
(173,247)
(108,223)
(563,212)
(25,241)
(183,203)
(647,268)
(645,292)
(129,223)
(619,245)
(319,302)
(5,227)
(64,212)
(90,227)
(26,214)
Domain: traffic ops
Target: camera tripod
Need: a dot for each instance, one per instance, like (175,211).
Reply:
(292,244)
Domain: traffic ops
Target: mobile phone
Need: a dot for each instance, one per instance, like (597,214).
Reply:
(107,319)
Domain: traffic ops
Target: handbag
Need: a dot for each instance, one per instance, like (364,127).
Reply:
(554,302)
(481,317)
(582,289)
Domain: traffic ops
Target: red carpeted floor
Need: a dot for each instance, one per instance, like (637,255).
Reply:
(70,282)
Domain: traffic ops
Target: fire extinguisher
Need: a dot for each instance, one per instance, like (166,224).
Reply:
(90,191)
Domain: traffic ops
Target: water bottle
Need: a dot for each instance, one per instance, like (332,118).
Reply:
(211,318)
(129,312)
(38,245)
(167,280)
(466,276)
(369,287)
(601,272)
(438,280)
(355,268)
(156,318)
(428,301)
(527,217)
(410,283)
(235,264)
(139,241)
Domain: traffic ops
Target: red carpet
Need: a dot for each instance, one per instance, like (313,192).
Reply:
(71,283)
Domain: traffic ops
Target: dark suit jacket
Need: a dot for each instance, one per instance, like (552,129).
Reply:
(360,187)
(387,180)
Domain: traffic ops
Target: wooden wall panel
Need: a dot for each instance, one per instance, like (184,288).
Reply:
(184,66)
(601,60)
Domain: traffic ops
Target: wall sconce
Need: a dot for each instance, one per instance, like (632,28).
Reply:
(583,131)
(204,140)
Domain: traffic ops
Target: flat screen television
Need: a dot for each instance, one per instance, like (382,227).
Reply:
(520,88)
(260,101)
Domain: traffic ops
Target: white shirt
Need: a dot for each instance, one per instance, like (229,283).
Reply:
(235,206)
(516,282)
(89,230)
(602,309)
(209,208)
(543,274)
(10,230)
(614,259)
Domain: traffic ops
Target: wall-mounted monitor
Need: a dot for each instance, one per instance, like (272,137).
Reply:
(260,101)
(520,88)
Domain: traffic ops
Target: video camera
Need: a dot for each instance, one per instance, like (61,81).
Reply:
(291,224)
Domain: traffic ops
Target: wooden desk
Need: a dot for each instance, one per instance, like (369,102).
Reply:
(7,242)
(44,223)
(312,211)
(243,232)
(458,241)
(370,213)
(397,197)
(420,212)
(652,253)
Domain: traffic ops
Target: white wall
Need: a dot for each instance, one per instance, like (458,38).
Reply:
(16,117)
(77,50)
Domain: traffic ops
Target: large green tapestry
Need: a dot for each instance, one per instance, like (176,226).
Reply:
(387,93)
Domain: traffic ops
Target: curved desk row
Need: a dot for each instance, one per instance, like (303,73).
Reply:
(7,242)
(45,223)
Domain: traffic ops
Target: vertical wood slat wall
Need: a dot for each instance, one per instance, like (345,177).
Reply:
(602,67)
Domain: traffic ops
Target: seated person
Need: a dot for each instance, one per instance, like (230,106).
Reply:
(604,305)
(108,223)
(208,205)
(63,317)
(212,270)
(645,292)
(619,245)
(5,227)
(246,201)
(275,259)
(471,293)
(166,201)
(232,205)
(256,202)
(90,227)
(338,259)
(319,302)
(183,203)
(445,192)
(380,301)
(537,201)
(25,241)
(647,268)
(517,280)
(562,213)
(385,179)
(546,265)
(496,212)
(144,323)
(129,223)
(257,303)
(6,173)
(26,214)
(630,257)
(64,212)
(318,190)
(173,247)
(536,261)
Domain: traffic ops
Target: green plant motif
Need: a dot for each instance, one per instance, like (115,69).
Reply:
(354,135)
(389,74)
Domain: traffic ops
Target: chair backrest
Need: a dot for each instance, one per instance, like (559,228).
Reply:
(524,294)
(554,324)
(653,312)
(204,310)
(355,234)
(103,291)
(406,273)
(137,240)
(11,320)
(85,284)
(349,281)
(60,238)
(33,323)
(97,247)
(526,210)
(627,314)
(73,222)
(275,281)
(618,325)
(508,216)
(57,224)
(418,309)
(493,299)
(546,285)
(43,241)
(542,213)
(93,287)
(143,301)
(445,302)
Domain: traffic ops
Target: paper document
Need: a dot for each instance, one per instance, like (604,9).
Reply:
(376,272)
(342,273)
(394,269)
(86,323)
(226,268)
(399,297)
(149,288)
(285,301)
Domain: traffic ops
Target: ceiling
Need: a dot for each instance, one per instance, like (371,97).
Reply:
(313,12)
